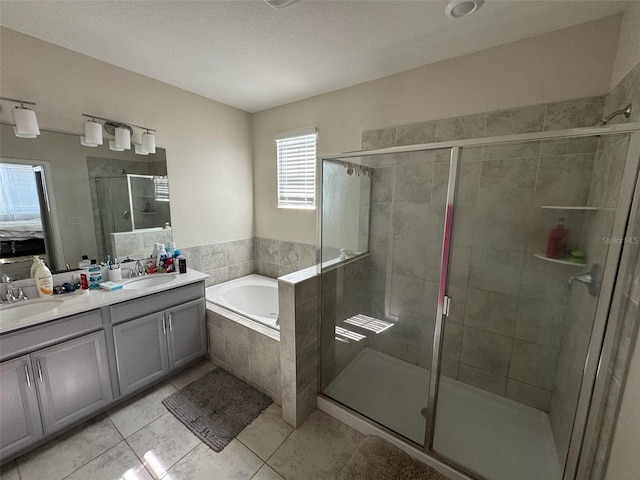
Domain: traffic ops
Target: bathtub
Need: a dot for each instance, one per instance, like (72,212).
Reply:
(254,297)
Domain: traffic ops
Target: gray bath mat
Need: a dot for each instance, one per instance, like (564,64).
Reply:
(377,459)
(216,407)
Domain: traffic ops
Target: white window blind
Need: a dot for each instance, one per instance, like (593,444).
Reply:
(297,169)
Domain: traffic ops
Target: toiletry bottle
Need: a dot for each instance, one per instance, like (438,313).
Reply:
(557,240)
(44,280)
(85,262)
(182,264)
(162,256)
(34,266)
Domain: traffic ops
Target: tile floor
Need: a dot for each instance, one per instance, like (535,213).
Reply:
(141,440)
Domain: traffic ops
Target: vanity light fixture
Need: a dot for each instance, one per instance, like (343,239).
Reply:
(26,124)
(122,133)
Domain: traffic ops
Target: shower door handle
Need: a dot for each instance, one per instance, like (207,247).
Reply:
(591,279)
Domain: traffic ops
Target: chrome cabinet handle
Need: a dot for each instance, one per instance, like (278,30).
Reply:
(26,373)
(170,322)
(164,325)
(39,371)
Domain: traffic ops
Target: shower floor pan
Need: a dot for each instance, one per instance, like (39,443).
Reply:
(489,434)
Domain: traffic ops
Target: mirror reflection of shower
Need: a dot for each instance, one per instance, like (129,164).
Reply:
(130,203)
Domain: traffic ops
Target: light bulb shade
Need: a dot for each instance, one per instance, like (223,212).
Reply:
(140,150)
(92,133)
(26,123)
(149,142)
(123,138)
(83,142)
(114,147)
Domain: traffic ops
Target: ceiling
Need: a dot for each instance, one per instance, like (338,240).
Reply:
(246,54)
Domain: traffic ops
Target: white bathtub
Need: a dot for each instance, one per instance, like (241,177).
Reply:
(253,296)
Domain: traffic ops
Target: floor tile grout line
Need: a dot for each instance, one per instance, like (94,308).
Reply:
(84,465)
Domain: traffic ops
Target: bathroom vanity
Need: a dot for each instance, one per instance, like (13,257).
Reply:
(71,357)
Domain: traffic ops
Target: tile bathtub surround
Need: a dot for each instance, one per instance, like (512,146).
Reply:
(275,258)
(500,292)
(245,353)
(267,449)
(222,261)
(299,317)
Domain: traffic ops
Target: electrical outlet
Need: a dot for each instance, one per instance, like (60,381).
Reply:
(73,221)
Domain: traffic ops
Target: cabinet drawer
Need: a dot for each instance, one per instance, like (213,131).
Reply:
(56,331)
(140,307)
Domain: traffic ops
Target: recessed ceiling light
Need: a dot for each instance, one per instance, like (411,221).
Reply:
(280,3)
(462,8)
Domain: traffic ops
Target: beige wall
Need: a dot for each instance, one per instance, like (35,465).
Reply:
(628,54)
(208,144)
(571,63)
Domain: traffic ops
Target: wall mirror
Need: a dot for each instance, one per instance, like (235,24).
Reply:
(61,200)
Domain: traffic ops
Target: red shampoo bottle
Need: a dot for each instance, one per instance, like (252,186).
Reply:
(557,241)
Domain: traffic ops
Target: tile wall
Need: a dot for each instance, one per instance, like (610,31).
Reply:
(246,353)
(139,244)
(222,261)
(298,299)
(274,258)
(509,308)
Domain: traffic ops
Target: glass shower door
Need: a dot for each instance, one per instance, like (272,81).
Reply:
(379,308)
(531,220)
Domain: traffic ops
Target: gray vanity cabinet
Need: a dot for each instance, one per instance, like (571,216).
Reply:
(141,351)
(19,415)
(52,388)
(187,336)
(73,380)
(158,334)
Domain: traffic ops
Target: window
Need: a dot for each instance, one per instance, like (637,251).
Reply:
(18,194)
(297,168)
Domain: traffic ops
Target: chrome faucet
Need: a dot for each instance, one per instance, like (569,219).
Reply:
(10,292)
(139,269)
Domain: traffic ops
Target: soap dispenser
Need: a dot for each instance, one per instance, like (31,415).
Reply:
(34,266)
(44,280)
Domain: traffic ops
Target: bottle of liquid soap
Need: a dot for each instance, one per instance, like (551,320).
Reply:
(85,262)
(34,266)
(44,280)
(557,240)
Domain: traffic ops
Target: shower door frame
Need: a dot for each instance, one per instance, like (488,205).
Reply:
(598,355)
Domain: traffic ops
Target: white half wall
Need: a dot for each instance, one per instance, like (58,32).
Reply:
(567,64)
(208,143)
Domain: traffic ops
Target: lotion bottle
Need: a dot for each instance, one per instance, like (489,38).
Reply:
(35,265)
(44,281)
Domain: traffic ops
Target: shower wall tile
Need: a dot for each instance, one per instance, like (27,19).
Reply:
(382,185)
(540,322)
(241,270)
(501,227)
(374,139)
(407,295)
(515,120)
(416,133)
(564,180)
(460,262)
(533,364)
(411,221)
(492,312)
(544,280)
(488,351)
(275,258)
(381,220)
(495,270)
(528,394)
(626,92)
(216,276)
(468,183)
(509,182)
(482,379)
(409,258)
(518,150)
(452,340)
(414,183)
(618,153)
(459,128)
(212,257)
(240,251)
(569,146)
(585,112)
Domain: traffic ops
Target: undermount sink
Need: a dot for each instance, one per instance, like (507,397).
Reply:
(146,282)
(16,311)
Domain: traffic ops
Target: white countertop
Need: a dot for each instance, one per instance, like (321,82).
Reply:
(74,303)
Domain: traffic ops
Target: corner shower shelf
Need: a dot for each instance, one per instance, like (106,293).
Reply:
(565,207)
(542,256)
(148,213)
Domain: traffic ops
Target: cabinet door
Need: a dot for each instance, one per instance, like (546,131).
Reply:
(187,333)
(73,380)
(141,351)
(19,416)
